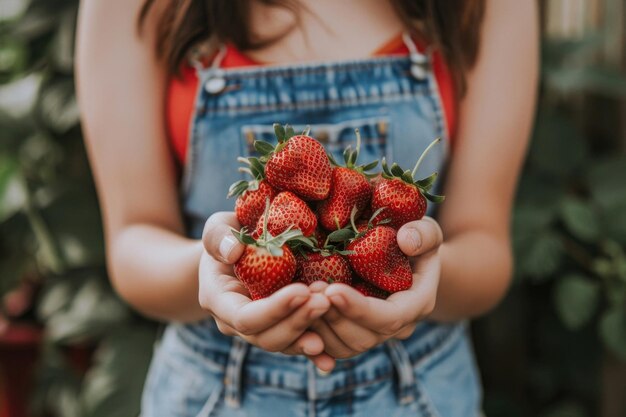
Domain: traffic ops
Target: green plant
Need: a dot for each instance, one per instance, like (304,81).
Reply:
(50,231)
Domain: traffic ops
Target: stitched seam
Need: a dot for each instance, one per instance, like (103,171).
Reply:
(302,105)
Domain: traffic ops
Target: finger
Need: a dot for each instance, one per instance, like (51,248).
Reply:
(252,317)
(318,286)
(218,238)
(310,344)
(406,332)
(421,236)
(356,337)
(333,345)
(284,333)
(385,317)
(324,362)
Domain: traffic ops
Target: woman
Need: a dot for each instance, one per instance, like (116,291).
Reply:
(189,84)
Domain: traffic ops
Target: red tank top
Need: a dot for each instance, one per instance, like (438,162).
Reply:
(181,91)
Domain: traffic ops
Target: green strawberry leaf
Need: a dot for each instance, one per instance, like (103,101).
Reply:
(257,168)
(275,250)
(396,170)
(262,147)
(426,183)
(237,188)
(289,132)
(306,130)
(407,177)
(279,131)
(385,168)
(370,166)
(433,197)
(341,235)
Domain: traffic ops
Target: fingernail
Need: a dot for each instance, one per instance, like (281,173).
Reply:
(296,302)
(338,300)
(308,351)
(414,237)
(226,246)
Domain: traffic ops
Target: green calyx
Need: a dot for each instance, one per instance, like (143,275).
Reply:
(424,185)
(273,244)
(350,233)
(256,169)
(283,134)
(351,156)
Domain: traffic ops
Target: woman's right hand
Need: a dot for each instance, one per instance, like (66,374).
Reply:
(278,323)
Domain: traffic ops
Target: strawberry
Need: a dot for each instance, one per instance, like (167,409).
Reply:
(298,164)
(374,254)
(349,188)
(377,259)
(323,266)
(370,290)
(251,194)
(404,197)
(267,263)
(288,211)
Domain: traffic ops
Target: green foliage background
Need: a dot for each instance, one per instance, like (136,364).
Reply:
(541,351)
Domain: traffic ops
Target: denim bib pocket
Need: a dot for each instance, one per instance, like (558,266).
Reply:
(335,137)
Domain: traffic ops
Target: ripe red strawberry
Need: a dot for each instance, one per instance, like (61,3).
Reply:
(251,194)
(403,197)
(370,290)
(263,273)
(377,258)
(349,188)
(267,263)
(287,210)
(298,164)
(329,267)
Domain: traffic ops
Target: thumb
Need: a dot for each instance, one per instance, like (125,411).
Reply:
(218,238)
(420,236)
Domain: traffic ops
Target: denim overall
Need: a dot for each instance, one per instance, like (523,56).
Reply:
(198,372)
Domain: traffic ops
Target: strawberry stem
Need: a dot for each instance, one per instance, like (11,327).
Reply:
(419,161)
(358,143)
(266,216)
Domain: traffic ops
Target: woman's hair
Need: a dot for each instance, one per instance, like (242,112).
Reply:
(453,26)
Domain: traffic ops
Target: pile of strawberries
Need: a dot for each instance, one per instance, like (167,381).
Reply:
(305,217)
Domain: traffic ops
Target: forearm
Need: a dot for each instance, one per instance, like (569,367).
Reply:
(476,272)
(156,271)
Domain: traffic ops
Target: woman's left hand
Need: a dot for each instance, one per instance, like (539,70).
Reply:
(355,324)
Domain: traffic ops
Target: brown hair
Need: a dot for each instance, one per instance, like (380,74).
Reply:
(453,26)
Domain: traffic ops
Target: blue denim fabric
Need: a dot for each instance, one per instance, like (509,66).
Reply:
(197,371)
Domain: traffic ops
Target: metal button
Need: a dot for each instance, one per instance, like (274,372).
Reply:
(418,71)
(215,84)
(322,136)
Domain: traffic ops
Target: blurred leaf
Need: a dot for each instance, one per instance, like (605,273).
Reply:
(93,311)
(114,384)
(605,179)
(580,218)
(18,98)
(558,148)
(576,299)
(63,46)
(12,56)
(566,409)
(543,257)
(597,80)
(58,107)
(12,9)
(613,330)
(12,192)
